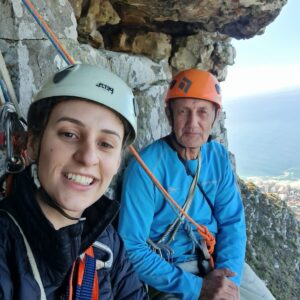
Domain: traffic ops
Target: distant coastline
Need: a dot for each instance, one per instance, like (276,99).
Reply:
(263,134)
(287,190)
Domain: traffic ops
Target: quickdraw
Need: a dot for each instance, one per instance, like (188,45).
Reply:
(12,139)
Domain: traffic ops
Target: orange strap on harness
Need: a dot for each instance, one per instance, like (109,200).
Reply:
(87,278)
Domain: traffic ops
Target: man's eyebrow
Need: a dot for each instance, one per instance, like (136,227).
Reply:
(77,122)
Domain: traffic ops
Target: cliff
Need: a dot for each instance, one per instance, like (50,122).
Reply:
(145,42)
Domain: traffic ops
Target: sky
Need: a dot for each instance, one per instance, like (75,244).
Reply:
(268,62)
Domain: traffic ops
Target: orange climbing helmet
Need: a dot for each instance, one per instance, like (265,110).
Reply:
(195,83)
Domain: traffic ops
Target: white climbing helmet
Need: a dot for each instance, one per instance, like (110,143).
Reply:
(95,84)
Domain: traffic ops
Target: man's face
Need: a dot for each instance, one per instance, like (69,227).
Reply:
(192,121)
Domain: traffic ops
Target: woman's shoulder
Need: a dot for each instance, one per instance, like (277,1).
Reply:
(12,242)
(9,231)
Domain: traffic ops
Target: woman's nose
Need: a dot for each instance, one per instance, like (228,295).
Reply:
(87,153)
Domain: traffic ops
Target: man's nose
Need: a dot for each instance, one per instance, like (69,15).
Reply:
(193,119)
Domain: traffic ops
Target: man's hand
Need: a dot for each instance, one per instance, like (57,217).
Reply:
(216,286)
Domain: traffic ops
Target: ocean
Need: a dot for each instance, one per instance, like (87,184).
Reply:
(264,135)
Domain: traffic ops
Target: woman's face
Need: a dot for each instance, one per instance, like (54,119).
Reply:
(80,152)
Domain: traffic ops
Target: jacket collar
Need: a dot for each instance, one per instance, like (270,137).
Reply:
(58,248)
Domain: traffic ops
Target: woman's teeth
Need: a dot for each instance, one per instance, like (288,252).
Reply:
(84,180)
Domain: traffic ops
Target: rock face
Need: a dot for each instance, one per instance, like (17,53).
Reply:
(145,43)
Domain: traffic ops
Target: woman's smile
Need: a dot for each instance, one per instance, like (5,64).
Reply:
(80,153)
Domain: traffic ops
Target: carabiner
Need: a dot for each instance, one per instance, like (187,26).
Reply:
(13,163)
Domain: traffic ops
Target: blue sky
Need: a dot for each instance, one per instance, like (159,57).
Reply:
(269,62)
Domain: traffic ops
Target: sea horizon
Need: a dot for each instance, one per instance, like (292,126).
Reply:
(262,132)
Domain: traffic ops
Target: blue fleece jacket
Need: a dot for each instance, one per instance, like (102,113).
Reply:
(146,214)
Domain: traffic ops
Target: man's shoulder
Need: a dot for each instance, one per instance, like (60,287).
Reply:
(154,150)
(156,157)
(155,146)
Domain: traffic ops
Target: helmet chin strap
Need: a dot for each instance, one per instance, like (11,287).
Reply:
(52,203)
(45,197)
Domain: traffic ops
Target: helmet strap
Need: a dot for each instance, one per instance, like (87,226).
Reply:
(45,196)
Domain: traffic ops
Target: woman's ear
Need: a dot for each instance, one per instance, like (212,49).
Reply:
(32,146)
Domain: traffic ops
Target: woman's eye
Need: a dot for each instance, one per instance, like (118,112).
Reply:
(106,145)
(69,135)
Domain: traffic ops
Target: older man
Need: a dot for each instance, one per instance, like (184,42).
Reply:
(166,250)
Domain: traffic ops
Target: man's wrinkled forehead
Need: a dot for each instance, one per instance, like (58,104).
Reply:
(191,102)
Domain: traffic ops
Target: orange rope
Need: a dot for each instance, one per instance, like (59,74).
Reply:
(41,19)
(202,230)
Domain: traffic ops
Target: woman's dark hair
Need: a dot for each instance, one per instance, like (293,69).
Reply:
(39,113)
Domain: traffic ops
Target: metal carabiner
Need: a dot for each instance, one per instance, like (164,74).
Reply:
(13,163)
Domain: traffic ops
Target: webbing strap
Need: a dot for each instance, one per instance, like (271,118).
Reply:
(173,228)
(87,279)
(32,261)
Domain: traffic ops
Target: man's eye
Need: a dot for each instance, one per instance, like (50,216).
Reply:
(204,112)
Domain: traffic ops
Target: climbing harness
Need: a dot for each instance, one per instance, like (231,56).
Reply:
(202,230)
(162,246)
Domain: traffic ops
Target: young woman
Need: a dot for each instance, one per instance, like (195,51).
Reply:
(56,238)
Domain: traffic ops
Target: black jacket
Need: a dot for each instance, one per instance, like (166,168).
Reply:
(55,250)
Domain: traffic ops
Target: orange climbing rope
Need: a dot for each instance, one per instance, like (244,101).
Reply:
(201,229)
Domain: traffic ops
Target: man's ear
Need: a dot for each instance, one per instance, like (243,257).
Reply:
(32,146)
(168,114)
(218,113)
(217,116)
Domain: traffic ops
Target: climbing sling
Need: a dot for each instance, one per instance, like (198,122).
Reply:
(162,246)
(86,285)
